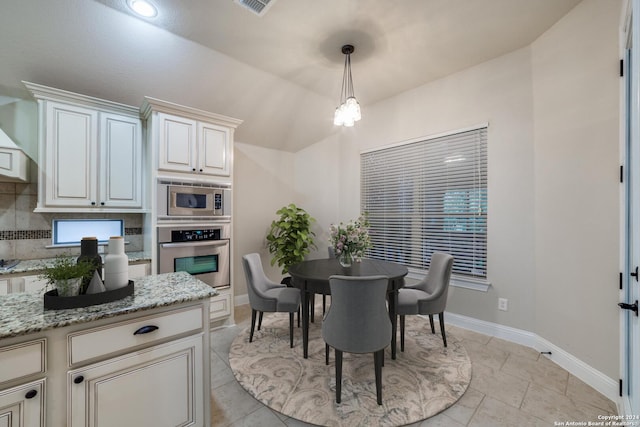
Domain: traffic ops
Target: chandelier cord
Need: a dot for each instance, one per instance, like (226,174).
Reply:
(348,112)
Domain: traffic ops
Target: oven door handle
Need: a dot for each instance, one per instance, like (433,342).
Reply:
(214,243)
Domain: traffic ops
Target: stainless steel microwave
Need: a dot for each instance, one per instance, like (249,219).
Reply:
(196,200)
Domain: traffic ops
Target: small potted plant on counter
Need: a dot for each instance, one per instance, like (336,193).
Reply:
(65,274)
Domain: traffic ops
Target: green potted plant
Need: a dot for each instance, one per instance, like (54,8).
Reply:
(65,274)
(290,237)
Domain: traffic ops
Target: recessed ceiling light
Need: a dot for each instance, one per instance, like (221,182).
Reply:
(143,8)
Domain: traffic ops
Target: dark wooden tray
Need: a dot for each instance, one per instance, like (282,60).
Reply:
(53,302)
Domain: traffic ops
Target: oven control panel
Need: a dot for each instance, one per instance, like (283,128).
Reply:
(195,235)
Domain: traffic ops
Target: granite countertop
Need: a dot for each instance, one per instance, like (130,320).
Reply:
(36,265)
(24,313)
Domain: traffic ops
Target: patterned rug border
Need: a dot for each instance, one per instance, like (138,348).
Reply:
(304,389)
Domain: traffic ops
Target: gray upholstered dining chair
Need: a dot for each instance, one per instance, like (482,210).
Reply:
(429,296)
(358,322)
(266,295)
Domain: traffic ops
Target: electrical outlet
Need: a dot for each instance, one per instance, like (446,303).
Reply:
(503,304)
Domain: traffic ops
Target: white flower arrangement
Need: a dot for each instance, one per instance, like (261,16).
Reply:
(351,238)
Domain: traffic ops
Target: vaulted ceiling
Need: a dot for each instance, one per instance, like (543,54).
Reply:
(280,72)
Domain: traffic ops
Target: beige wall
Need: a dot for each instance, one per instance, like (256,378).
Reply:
(263,183)
(576,110)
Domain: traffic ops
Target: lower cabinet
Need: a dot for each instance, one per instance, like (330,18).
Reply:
(23,406)
(220,306)
(33,284)
(153,387)
(150,368)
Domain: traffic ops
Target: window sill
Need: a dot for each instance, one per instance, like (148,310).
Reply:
(477,284)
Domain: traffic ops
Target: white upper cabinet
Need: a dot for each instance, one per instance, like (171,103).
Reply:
(177,150)
(188,142)
(213,149)
(121,161)
(70,155)
(90,154)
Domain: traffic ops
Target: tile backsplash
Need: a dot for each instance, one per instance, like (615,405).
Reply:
(25,234)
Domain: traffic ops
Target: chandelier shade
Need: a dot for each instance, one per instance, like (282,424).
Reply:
(348,112)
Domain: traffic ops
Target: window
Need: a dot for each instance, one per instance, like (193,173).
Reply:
(429,195)
(69,232)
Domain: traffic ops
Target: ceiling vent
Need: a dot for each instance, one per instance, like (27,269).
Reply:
(259,7)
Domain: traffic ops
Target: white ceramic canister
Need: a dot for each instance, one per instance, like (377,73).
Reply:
(116,265)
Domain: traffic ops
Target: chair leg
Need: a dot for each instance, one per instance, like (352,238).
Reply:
(291,329)
(260,320)
(377,361)
(433,330)
(326,354)
(338,375)
(324,304)
(441,319)
(299,317)
(253,324)
(402,333)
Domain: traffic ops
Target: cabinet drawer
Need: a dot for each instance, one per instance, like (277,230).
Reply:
(118,337)
(220,306)
(22,360)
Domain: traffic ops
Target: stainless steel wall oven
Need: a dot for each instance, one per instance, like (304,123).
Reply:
(202,251)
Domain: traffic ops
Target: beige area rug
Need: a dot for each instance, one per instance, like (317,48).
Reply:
(423,381)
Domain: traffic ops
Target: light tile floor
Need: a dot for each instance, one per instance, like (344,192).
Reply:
(511,385)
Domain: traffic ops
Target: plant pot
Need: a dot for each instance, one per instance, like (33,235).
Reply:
(68,287)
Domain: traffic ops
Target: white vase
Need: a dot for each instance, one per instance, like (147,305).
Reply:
(68,287)
(116,265)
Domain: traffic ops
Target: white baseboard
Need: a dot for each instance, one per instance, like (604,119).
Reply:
(596,379)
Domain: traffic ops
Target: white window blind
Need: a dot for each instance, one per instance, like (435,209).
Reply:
(429,196)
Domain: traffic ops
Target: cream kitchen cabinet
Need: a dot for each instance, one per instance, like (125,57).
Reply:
(23,405)
(116,392)
(90,154)
(4,287)
(142,361)
(21,396)
(190,146)
(188,141)
(29,284)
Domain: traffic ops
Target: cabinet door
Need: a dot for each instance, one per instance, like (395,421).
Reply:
(23,406)
(177,145)
(138,270)
(71,158)
(30,284)
(213,149)
(159,386)
(120,161)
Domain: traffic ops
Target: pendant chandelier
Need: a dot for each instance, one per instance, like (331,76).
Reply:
(349,110)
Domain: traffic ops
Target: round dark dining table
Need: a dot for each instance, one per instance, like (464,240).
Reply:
(312,277)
